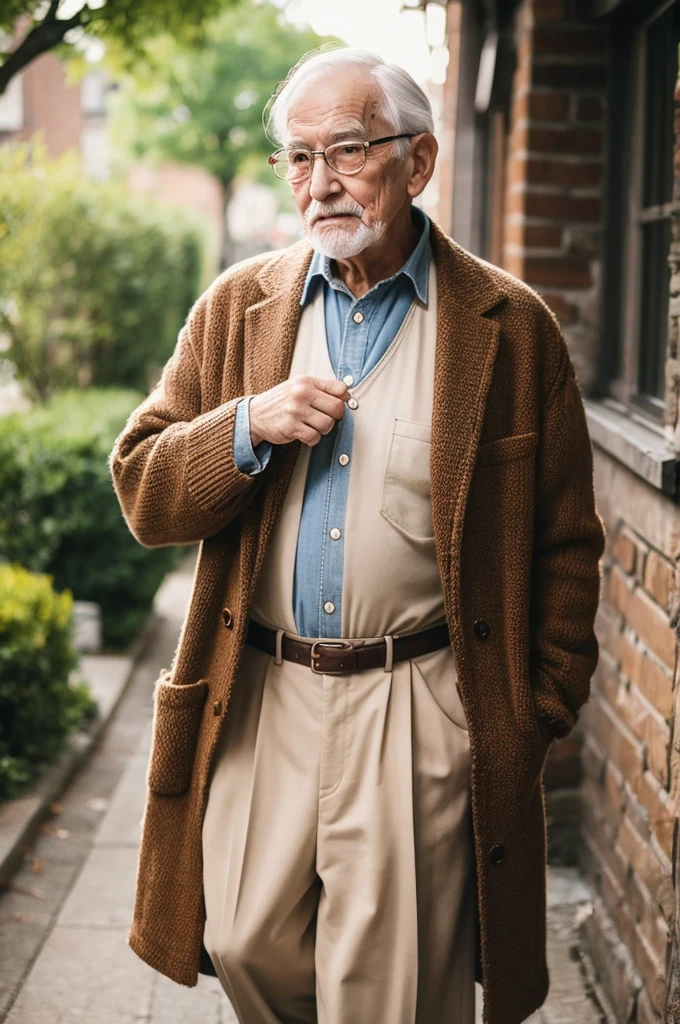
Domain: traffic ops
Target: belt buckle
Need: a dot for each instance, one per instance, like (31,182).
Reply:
(346,644)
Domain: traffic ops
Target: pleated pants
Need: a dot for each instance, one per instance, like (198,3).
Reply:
(337,847)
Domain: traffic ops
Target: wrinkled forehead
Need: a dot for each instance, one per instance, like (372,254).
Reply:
(331,105)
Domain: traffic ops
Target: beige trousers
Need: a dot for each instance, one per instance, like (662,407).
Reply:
(338,849)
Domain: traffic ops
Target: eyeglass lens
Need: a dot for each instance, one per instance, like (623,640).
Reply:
(295,164)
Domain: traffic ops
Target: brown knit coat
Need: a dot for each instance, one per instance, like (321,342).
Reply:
(518,542)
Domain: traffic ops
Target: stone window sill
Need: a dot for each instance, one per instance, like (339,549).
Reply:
(639,446)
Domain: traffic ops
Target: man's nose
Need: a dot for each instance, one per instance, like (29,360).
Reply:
(323,180)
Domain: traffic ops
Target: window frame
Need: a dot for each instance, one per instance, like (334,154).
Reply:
(620,362)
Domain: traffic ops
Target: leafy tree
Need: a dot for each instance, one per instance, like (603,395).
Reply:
(203,104)
(127,24)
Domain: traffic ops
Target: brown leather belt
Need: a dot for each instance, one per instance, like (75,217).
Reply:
(338,657)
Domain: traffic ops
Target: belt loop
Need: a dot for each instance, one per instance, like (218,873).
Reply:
(278,657)
(388,653)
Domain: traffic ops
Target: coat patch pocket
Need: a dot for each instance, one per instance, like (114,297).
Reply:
(405,497)
(176,721)
(504,449)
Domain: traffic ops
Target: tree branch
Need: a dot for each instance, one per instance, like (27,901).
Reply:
(39,40)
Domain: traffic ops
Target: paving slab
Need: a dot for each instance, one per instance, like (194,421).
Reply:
(85,974)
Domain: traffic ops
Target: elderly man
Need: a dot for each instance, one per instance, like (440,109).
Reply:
(379,440)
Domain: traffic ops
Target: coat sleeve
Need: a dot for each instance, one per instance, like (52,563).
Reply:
(569,541)
(172,466)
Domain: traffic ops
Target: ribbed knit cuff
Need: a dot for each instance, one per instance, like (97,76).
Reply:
(213,478)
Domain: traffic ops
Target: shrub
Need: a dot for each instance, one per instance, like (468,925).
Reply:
(94,283)
(59,513)
(38,705)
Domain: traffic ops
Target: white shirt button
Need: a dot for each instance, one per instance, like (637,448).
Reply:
(343,459)
(358,317)
(353,404)
(329,607)
(348,380)
(335,533)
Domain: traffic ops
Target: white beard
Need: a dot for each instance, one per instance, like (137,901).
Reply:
(340,243)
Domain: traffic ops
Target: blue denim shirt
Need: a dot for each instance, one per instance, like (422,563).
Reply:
(354,349)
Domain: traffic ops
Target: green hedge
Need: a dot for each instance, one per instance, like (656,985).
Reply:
(38,706)
(59,513)
(95,283)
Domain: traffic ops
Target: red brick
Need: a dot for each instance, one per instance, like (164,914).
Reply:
(614,737)
(630,562)
(589,108)
(659,578)
(624,550)
(557,272)
(630,657)
(542,236)
(613,787)
(558,173)
(644,616)
(661,809)
(569,76)
(608,621)
(657,737)
(556,140)
(556,206)
(651,969)
(547,106)
(655,930)
(657,686)
(637,849)
(569,42)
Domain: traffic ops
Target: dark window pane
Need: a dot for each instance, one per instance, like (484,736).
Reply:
(654,301)
(661,67)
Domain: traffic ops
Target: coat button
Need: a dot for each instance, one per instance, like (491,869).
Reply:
(481,629)
(228,617)
(217,707)
(497,853)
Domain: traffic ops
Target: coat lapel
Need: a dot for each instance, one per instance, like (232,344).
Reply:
(466,348)
(465,352)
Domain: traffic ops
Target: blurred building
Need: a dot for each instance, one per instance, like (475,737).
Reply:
(73,116)
(70,117)
(560,162)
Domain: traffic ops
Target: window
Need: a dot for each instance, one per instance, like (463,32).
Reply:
(639,207)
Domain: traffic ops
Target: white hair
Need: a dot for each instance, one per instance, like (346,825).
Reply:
(403,104)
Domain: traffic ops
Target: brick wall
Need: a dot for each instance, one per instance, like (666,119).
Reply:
(612,786)
(629,813)
(555,168)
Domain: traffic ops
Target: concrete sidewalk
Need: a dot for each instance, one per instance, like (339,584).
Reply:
(63,951)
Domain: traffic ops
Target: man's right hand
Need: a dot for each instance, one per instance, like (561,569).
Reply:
(300,408)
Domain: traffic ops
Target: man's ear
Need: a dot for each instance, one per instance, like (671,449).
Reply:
(424,156)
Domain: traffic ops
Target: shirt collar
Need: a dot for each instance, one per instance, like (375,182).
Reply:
(416,266)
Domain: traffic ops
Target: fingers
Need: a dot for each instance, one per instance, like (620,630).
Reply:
(332,386)
(328,404)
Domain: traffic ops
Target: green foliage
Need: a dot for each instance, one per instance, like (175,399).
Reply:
(95,284)
(203,104)
(38,705)
(125,25)
(59,513)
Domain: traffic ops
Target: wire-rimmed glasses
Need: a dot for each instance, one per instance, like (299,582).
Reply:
(344,157)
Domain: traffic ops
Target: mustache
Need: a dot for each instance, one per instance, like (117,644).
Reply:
(328,210)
